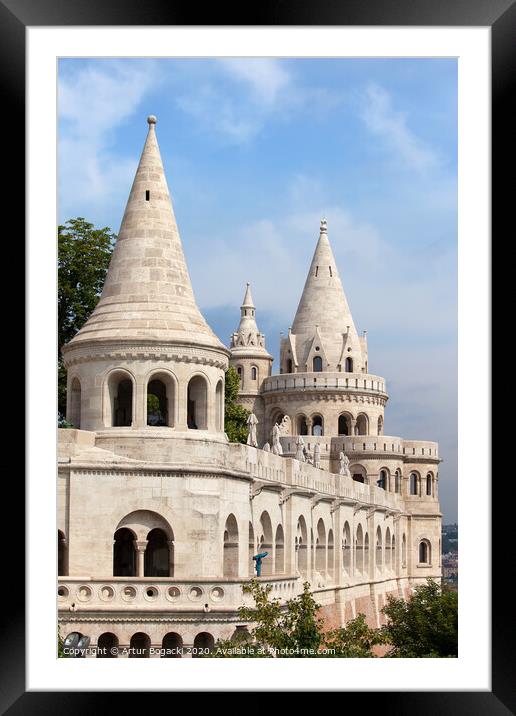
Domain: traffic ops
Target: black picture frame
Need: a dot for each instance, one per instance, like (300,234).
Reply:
(500,16)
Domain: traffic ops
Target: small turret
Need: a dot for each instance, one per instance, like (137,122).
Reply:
(248,353)
(252,361)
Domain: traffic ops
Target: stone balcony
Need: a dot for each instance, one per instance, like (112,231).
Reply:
(325,381)
(372,446)
(163,594)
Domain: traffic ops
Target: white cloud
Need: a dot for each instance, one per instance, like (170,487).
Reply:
(92,103)
(389,124)
(265,89)
(266,77)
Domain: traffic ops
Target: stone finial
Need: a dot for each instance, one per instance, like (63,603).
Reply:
(151,119)
(324,226)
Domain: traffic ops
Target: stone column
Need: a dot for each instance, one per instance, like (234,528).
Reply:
(171,557)
(353,426)
(138,417)
(140,546)
(338,553)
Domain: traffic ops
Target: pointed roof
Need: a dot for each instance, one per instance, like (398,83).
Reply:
(323,307)
(248,339)
(248,298)
(147,295)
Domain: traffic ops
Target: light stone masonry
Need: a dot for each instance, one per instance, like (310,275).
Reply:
(159,515)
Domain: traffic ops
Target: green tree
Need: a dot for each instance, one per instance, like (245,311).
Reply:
(295,630)
(289,631)
(355,640)
(424,626)
(235,416)
(84,253)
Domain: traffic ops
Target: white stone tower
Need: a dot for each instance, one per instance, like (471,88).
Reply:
(251,360)
(325,387)
(146,336)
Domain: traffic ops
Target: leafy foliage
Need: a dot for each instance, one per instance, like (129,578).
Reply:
(355,640)
(235,416)
(83,260)
(424,626)
(290,631)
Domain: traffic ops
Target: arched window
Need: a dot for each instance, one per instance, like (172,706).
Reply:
(61,554)
(160,400)
(124,554)
(344,425)
(414,478)
(382,480)
(397,481)
(139,646)
(279,547)
(197,418)
(302,425)
(75,403)
(157,554)
(346,548)
(366,553)
(251,565)
(120,389)
(203,643)
(302,547)
(380,425)
(362,425)
(320,548)
(240,372)
(317,425)
(106,645)
(172,645)
(317,364)
(424,552)
(379,549)
(358,473)
(143,546)
(230,548)
(331,555)
(429,485)
(265,543)
(219,407)
(254,373)
(359,550)
(388,554)
(349,365)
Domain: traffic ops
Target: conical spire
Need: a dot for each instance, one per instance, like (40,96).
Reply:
(148,295)
(324,311)
(248,337)
(248,298)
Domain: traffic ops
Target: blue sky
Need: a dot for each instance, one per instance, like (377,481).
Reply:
(256,151)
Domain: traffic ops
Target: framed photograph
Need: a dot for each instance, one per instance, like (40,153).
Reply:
(269,245)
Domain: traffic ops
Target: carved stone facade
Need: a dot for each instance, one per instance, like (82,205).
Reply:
(160,516)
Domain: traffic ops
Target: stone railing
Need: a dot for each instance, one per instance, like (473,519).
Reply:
(387,445)
(354,382)
(163,594)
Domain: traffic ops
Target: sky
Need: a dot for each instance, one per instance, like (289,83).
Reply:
(257,151)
